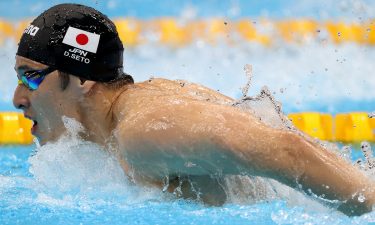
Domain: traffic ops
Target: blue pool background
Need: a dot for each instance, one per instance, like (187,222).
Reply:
(314,77)
(231,9)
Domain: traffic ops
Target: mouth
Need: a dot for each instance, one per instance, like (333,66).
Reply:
(35,124)
(34,127)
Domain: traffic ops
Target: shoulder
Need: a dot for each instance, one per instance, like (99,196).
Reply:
(157,93)
(181,88)
(161,105)
(181,117)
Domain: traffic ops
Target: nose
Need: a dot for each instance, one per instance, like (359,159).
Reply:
(20,97)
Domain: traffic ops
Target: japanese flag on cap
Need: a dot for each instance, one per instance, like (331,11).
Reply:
(81,39)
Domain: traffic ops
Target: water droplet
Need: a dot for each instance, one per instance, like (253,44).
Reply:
(361,198)
(346,152)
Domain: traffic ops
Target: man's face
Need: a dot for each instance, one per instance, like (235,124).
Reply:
(47,104)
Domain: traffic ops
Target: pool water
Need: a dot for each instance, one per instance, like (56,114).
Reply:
(76,182)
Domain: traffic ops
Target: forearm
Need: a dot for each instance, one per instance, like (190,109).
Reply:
(300,163)
(331,177)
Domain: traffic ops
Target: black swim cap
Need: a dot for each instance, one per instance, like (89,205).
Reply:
(75,39)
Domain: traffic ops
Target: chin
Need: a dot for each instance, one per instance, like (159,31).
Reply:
(42,139)
(46,134)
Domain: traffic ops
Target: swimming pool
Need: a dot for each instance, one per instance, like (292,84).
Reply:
(75,182)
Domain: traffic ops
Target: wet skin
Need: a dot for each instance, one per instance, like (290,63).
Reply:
(173,129)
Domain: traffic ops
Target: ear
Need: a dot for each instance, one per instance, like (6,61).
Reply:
(87,85)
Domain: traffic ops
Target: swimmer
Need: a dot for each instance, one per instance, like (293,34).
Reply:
(70,63)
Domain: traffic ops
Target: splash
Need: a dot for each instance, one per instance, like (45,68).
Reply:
(73,164)
(72,170)
(265,108)
(249,74)
(368,163)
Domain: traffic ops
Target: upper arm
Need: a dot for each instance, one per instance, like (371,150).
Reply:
(194,138)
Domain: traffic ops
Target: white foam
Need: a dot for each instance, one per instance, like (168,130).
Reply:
(71,170)
(71,163)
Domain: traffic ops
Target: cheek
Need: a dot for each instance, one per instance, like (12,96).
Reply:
(45,102)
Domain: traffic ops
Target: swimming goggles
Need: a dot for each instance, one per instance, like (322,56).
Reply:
(33,78)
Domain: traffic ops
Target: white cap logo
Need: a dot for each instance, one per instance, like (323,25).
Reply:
(32,30)
(81,39)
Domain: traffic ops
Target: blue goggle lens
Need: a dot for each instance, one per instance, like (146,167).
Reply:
(32,79)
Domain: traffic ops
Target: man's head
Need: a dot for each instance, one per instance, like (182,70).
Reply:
(61,55)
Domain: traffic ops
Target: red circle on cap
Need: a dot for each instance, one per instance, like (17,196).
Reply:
(82,39)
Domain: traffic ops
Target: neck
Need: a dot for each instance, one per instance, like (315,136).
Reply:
(99,117)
